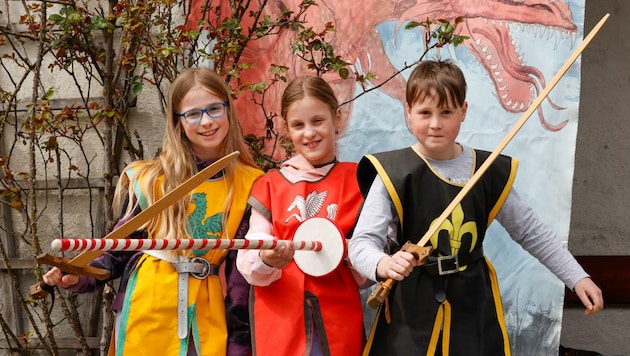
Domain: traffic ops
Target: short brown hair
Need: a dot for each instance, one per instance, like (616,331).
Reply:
(441,78)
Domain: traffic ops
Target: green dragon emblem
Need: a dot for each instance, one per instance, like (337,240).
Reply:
(200,227)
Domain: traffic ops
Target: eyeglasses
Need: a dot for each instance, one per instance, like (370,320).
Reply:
(194,116)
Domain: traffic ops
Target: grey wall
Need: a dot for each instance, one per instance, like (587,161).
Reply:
(599,219)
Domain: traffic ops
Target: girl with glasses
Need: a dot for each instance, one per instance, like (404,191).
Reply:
(151,318)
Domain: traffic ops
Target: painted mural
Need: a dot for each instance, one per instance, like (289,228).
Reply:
(514,48)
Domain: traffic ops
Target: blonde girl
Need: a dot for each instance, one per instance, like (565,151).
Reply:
(175,303)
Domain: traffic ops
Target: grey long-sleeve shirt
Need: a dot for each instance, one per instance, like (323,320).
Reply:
(378,220)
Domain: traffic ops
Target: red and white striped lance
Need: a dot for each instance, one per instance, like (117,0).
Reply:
(314,234)
(177,244)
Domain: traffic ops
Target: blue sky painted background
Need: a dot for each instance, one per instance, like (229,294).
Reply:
(532,296)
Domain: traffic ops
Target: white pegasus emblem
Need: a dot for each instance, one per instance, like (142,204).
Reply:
(310,206)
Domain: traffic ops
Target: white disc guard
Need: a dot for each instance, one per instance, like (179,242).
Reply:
(320,263)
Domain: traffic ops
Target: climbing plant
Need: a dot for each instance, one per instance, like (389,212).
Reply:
(72,76)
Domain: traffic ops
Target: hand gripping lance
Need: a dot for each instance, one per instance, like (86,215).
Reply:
(79,264)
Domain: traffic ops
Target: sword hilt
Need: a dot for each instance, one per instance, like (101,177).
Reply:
(378,296)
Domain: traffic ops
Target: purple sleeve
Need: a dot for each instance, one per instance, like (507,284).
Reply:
(237,301)
(86,284)
(118,263)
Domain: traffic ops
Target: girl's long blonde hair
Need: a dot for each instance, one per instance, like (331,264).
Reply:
(176,162)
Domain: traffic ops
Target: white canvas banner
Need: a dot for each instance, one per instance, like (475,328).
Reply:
(497,75)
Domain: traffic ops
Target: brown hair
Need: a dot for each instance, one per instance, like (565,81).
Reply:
(315,87)
(443,79)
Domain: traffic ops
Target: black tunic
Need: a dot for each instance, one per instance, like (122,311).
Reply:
(452,314)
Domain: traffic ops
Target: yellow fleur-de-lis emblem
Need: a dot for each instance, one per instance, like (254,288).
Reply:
(456,229)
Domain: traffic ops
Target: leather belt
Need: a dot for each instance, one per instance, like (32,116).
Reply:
(198,268)
(442,265)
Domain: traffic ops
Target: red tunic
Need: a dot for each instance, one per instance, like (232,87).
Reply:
(291,309)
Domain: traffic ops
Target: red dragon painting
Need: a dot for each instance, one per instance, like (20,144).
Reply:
(487,23)
(532,313)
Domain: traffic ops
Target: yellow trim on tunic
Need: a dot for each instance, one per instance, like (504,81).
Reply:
(149,315)
(442,322)
(388,185)
(505,193)
(498,304)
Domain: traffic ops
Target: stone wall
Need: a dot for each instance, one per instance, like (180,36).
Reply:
(602,167)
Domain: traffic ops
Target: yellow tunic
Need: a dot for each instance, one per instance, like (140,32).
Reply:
(148,319)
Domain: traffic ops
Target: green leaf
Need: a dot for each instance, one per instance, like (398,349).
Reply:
(56,18)
(411,25)
(137,88)
(344,73)
(49,93)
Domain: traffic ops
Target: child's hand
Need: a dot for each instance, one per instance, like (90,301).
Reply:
(278,258)
(590,295)
(397,267)
(54,277)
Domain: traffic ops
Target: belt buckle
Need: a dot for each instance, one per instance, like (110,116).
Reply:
(205,271)
(447,264)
